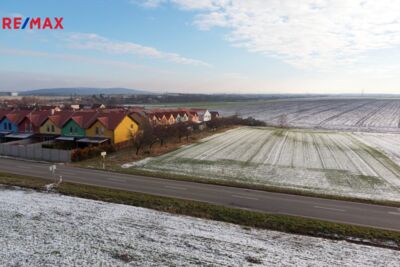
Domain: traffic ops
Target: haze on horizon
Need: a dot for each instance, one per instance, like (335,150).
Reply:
(207,46)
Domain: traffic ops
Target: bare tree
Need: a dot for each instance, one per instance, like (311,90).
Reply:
(282,121)
(145,136)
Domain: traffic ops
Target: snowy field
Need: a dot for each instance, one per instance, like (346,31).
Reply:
(347,114)
(323,162)
(39,229)
(387,143)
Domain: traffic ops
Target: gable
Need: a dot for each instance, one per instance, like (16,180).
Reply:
(48,126)
(71,128)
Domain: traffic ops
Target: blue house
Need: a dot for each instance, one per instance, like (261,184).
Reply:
(9,121)
(7,126)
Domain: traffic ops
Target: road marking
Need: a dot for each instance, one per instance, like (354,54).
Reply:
(245,197)
(175,187)
(329,208)
(394,213)
(116,180)
(24,167)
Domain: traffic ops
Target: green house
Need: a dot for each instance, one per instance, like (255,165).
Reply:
(71,128)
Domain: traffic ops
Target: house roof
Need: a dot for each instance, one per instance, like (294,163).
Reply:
(159,113)
(111,120)
(17,116)
(84,118)
(60,118)
(3,114)
(39,117)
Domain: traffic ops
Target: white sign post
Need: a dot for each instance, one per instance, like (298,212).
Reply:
(52,169)
(104,154)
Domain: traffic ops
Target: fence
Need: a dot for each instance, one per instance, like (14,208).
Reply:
(25,149)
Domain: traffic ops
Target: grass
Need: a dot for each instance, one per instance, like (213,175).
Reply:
(246,218)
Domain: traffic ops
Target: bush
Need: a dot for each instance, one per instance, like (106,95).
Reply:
(91,152)
(234,120)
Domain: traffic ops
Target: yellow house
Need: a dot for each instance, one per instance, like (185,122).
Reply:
(54,123)
(116,126)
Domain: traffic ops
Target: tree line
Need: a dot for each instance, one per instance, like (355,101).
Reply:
(149,134)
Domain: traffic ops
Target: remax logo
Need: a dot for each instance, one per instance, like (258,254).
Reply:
(38,23)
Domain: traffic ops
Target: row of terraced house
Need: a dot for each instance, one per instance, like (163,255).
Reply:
(90,126)
(172,116)
(82,126)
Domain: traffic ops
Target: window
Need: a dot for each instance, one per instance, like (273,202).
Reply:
(70,129)
(52,128)
(9,126)
(102,130)
(131,126)
(97,130)
(76,129)
(48,128)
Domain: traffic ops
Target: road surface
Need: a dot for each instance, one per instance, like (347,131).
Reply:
(277,203)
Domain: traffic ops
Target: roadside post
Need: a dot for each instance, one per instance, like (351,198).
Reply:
(52,169)
(104,154)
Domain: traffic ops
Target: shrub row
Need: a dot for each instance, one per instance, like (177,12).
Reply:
(90,152)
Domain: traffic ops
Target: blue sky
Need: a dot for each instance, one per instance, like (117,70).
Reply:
(206,46)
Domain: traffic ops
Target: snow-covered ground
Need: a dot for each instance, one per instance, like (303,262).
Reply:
(388,143)
(41,229)
(363,114)
(323,162)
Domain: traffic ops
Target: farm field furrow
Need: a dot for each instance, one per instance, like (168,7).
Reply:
(334,163)
(360,114)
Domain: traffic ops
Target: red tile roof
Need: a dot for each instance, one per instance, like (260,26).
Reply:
(111,120)
(85,118)
(60,118)
(39,117)
(17,116)
(3,113)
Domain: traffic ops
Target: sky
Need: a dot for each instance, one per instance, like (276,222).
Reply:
(206,46)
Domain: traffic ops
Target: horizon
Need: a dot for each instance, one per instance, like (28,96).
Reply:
(206,46)
(358,95)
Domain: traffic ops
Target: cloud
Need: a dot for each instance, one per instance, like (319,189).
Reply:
(99,43)
(305,33)
(68,57)
(148,3)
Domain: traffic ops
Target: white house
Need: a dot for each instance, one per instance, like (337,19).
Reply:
(204,114)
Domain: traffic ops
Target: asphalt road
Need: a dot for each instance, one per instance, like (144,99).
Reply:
(277,203)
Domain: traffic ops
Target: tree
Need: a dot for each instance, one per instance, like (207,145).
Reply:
(184,129)
(282,120)
(145,136)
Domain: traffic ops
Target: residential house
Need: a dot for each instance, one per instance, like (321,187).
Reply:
(12,120)
(54,123)
(203,114)
(4,124)
(77,124)
(32,122)
(193,116)
(118,127)
(182,116)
